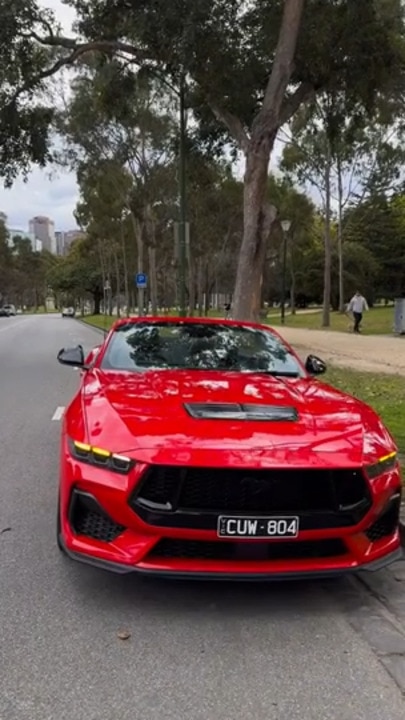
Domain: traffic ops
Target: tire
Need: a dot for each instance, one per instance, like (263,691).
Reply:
(59,530)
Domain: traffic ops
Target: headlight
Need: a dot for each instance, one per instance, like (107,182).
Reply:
(100,458)
(383,465)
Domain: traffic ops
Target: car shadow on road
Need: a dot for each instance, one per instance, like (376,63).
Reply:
(134,592)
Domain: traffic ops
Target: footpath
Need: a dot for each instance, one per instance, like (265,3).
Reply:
(373,353)
(379,612)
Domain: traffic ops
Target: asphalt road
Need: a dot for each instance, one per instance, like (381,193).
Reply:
(197,650)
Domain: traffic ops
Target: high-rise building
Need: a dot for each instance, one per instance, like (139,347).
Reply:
(60,241)
(69,237)
(43,229)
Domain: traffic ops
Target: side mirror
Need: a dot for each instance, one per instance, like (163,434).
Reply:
(314,365)
(72,356)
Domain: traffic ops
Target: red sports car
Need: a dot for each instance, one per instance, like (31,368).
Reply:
(205,448)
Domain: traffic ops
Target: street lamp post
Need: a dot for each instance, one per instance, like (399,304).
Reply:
(285,225)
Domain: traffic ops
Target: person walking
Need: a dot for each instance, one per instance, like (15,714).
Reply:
(357,306)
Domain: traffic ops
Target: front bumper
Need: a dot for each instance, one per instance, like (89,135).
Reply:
(121,541)
(239,575)
(89,535)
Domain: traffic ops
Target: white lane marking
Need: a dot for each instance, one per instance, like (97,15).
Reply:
(58,414)
(10,327)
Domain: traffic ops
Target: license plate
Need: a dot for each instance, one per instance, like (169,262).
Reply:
(253,527)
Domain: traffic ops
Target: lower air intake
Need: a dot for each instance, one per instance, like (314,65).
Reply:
(387,523)
(89,519)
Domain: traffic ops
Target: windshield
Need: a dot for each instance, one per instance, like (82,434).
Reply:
(198,346)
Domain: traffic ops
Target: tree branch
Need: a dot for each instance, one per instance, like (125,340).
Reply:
(233,124)
(303,93)
(78,50)
(112,46)
(268,119)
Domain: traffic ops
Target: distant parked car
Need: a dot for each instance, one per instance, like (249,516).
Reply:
(68,312)
(10,309)
(4,312)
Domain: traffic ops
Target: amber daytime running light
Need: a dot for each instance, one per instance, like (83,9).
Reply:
(100,458)
(384,464)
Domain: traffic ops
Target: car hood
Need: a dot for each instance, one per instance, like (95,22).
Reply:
(144,415)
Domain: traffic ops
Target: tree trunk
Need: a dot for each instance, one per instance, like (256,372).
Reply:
(258,215)
(125,266)
(328,248)
(258,219)
(97,301)
(153,279)
(191,283)
(118,282)
(140,265)
(200,286)
(340,236)
(207,291)
(292,274)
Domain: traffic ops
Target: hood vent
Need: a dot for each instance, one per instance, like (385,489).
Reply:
(234,411)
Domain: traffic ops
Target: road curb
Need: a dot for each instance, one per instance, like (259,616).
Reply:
(92,327)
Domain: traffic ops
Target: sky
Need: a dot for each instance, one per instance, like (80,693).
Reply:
(52,192)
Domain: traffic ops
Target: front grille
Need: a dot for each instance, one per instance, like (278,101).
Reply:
(190,497)
(88,518)
(241,551)
(387,523)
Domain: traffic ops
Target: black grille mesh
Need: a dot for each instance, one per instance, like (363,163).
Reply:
(247,491)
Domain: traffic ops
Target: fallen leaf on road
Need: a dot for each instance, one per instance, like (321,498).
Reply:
(124,635)
(5,530)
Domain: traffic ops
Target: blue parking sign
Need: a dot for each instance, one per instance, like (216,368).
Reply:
(141,281)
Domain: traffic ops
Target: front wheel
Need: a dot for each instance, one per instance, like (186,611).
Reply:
(59,530)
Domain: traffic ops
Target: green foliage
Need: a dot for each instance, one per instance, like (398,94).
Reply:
(25,117)
(79,273)
(379,226)
(23,272)
(5,262)
(226,47)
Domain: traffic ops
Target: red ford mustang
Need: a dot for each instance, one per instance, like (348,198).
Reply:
(205,448)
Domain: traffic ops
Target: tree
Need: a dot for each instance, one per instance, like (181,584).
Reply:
(346,160)
(300,211)
(378,226)
(79,274)
(29,274)
(121,148)
(5,263)
(250,67)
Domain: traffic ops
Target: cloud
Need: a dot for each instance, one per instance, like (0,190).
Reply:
(55,197)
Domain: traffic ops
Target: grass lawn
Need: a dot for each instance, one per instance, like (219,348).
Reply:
(98,321)
(378,321)
(385,393)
